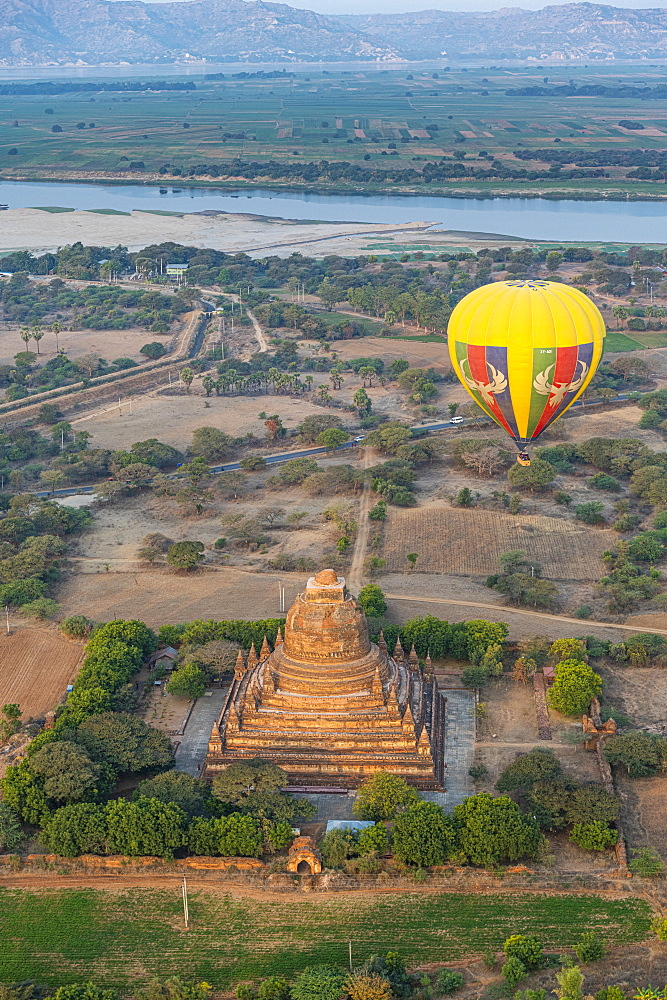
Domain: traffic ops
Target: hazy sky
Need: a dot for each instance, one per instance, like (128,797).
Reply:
(392,6)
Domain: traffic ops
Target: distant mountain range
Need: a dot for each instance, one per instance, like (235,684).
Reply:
(95,32)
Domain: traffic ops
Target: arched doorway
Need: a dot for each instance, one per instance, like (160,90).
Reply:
(303,868)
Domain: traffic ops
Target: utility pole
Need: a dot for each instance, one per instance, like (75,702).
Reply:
(7,613)
(186,912)
(350,943)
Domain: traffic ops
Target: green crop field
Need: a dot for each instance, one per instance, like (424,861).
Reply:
(377,118)
(121,938)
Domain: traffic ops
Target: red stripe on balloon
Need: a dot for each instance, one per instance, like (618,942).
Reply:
(563,374)
(480,373)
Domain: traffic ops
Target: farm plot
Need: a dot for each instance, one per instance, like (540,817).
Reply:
(36,665)
(121,938)
(470,542)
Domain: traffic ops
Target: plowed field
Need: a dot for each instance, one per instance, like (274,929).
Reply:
(470,542)
(36,665)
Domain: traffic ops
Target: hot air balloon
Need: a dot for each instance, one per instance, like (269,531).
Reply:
(525,351)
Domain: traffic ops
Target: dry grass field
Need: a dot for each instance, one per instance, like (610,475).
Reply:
(418,354)
(173,419)
(107,344)
(36,665)
(159,597)
(470,542)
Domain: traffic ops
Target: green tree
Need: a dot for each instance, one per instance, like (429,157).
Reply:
(568,649)
(371,599)
(211,444)
(76,829)
(534,477)
(173,989)
(641,754)
(538,765)
(188,793)
(189,681)
(553,260)
(330,294)
(647,863)
(514,971)
(319,982)
(24,795)
(448,982)
(153,351)
(575,684)
(383,796)
(187,377)
(244,778)
(591,512)
(362,402)
(333,437)
(145,827)
(570,983)
(526,948)
(464,497)
(125,742)
(186,555)
(589,948)
(11,834)
(84,991)
(494,831)
(67,772)
(424,835)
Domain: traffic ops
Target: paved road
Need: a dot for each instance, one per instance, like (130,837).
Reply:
(194,744)
(459,749)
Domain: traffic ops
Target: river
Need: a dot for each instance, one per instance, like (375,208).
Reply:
(530,218)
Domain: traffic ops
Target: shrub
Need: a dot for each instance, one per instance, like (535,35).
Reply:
(590,948)
(76,626)
(602,481)
(524,947)
(273,988)
(448,982)
(659,928)
(590,513)
(594,836)
(369,987)
(245,991)
(647,863)
(642,754)
(319,982)
(373,838)
(474,676)
(539,764)
(514,971)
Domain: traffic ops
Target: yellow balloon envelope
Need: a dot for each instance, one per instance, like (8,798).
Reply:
(525,351)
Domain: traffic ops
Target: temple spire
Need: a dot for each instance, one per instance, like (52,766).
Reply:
(382,643)
(399,652)
(413,659)
(252,657)
(239,666)
(279,638)
(265,650)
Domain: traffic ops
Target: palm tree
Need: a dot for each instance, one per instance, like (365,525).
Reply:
(37,334)
(56,328)
(26,335)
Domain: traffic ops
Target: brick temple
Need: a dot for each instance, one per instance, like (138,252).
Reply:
(328,705)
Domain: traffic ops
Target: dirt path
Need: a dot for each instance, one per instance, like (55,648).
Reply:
(581,623)
(259,333)
(355,577)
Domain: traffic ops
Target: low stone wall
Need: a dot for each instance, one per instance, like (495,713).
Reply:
(254,875)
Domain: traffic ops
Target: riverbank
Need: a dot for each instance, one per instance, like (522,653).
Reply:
(41,230)
(575,190)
